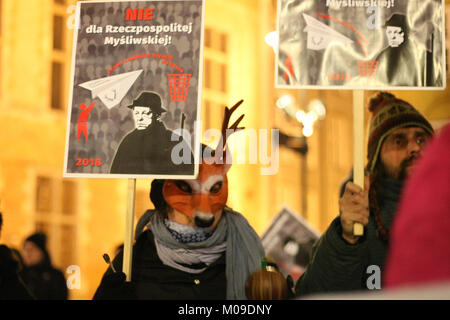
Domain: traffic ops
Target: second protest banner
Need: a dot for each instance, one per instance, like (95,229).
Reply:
(361,44)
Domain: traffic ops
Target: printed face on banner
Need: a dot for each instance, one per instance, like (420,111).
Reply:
(142,117)
(395,36)
(362,45)
(135,90)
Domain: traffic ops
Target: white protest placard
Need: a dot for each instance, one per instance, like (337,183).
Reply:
(135,93)
(361,44)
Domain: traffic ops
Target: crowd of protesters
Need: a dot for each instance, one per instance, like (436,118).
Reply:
(404,208)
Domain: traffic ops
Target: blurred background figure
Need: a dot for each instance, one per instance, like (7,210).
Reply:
(43,280)
(11,285)
(420,249)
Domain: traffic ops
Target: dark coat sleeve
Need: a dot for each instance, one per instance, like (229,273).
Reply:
(13,288)
(58,286)
(335,264)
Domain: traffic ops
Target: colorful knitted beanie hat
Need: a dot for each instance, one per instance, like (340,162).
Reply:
(388,114)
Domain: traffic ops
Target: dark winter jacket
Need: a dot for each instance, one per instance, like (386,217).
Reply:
(45,282)
(151,279)
(337,265)
(11,285)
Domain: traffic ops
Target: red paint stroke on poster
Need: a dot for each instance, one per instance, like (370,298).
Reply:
(165,59)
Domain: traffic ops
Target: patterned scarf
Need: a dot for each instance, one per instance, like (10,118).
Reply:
(384,195)
(185,234)
(233,235)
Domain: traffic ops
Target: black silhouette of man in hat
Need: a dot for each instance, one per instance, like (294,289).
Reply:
(404,62)
(148,148)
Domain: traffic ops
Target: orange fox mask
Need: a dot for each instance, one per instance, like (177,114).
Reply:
(204,198)
(200,199)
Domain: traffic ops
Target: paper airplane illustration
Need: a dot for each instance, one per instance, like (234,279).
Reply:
(111,90)
(320,36)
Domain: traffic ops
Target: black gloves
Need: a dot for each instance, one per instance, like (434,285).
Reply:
(114,287)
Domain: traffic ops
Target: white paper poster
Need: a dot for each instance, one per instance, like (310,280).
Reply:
(361,44)
(136,90)
(288,241)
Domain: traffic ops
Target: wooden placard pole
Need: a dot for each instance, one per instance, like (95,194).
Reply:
(129,224)
(358,147)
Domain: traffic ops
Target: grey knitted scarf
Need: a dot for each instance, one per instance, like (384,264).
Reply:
(233,234)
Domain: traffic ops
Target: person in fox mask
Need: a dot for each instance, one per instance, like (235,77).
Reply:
(192,246)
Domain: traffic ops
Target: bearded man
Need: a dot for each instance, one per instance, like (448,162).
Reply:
(342,261)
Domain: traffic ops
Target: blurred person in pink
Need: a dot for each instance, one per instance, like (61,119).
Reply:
(420,241)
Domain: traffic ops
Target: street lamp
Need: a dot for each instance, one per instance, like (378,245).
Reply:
(315,111)
(272,40)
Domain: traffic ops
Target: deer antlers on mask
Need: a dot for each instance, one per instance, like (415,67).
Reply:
(227,131)
(200,202)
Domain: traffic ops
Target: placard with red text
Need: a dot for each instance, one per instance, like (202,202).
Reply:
(135,94)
